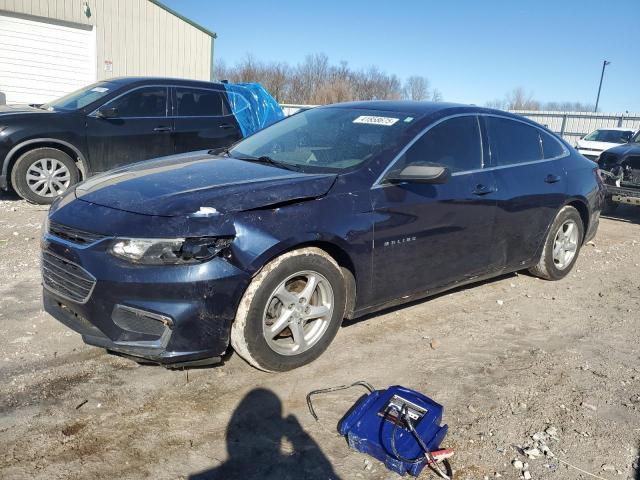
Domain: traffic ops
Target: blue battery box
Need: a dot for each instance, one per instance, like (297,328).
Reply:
(369,426)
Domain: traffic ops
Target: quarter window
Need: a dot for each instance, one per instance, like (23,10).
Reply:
(512,142)
(143,102)
(454,143)
(194,102)
(550,146)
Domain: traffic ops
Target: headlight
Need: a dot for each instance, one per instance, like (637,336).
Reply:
(164,251)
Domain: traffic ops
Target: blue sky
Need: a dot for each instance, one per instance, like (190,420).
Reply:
(472,51)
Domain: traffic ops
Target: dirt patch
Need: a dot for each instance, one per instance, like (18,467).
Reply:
(73,429)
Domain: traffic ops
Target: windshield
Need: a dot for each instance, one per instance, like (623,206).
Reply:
(327,139)
(80,98)
(611,136)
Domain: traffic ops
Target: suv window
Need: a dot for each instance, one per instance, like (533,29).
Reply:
(512,142)
(551,148)
(195,102)
(143,102)
(454,143)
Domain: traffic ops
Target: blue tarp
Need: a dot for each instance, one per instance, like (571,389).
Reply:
(253,107)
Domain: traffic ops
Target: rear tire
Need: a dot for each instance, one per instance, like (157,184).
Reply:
(42,174)
(301,297)
(562,246)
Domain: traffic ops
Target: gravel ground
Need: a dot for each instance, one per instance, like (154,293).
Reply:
(510,359)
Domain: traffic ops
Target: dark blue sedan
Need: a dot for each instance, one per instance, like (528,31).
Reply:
(332,213)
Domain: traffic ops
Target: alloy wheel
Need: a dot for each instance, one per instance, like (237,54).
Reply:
(298,313)
(565,244)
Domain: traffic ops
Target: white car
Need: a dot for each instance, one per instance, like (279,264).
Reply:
(592,145)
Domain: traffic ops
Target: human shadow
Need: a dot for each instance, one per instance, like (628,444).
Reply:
(262,444)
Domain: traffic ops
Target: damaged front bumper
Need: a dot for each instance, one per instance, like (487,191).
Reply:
(172,315)
(619,189)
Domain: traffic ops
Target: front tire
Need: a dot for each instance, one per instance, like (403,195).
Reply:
(291,311)
(42,174)
(562,245)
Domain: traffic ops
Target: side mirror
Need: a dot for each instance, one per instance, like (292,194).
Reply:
(420,174)
(108,112)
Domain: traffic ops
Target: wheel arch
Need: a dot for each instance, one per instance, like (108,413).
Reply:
(334,247)
(23,147)
(583,210)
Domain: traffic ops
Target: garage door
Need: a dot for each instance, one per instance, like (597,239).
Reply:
(42,61)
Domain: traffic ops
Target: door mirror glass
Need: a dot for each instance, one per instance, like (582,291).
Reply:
(107,112)
(416,173)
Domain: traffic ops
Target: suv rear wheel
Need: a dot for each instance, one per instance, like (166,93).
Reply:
(42,174)
(291,311)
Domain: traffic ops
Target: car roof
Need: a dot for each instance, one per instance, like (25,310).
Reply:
(427,109)
(122,81)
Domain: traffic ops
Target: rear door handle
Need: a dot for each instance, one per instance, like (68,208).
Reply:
(162,129)
(552,178)
(226,125)
(483,190)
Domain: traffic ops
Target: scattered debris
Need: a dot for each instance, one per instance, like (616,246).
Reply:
(500,302)
(434,343)
(590,406)
(81,404)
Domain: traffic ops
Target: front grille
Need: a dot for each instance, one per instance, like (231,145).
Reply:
(73,234)
(65,278)
(140,321)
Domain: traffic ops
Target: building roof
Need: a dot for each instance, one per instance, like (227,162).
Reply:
(182,17)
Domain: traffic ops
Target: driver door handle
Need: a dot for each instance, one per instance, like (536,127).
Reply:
(226,125)
(483,190)
(162,129)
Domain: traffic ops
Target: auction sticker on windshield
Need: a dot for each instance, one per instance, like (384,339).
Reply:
(373,120)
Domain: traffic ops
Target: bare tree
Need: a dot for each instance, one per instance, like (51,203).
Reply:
(436,95)
(518,99)
(416,88)
(316,81)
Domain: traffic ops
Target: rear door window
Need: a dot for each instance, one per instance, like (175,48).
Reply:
(512,142)
(454,143)
(196,102)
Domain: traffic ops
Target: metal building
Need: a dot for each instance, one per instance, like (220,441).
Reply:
(52,47)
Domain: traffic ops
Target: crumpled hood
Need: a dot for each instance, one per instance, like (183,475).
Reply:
(183,184)
(22,109)
(625,149)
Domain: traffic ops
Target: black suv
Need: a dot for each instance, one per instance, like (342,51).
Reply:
(46,148)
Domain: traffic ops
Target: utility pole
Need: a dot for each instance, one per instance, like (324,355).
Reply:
(604,65)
